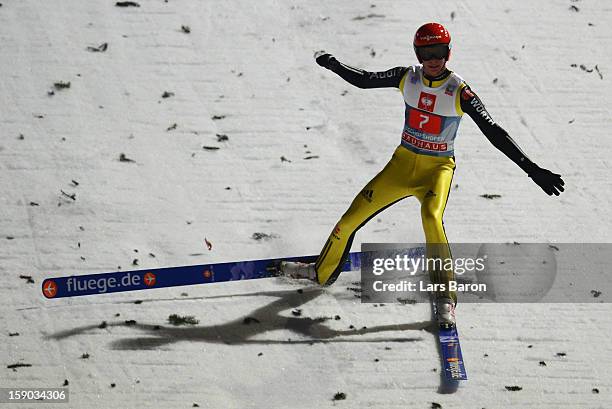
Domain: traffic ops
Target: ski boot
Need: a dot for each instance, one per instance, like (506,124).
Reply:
(298,270)
(445,312)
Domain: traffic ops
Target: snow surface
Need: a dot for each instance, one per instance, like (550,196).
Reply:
(250,63)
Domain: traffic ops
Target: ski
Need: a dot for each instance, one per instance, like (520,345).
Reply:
(121,281)
(452,358)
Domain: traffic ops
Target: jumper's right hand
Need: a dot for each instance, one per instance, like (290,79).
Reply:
(323,59)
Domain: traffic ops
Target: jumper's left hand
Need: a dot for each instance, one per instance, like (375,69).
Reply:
(550,182)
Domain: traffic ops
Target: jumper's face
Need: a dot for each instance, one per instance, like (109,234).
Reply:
(433,68)
(434,58)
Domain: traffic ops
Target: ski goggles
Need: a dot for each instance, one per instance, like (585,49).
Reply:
(433,52)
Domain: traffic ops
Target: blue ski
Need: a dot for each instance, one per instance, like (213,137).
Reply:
(121,281)
(452,358)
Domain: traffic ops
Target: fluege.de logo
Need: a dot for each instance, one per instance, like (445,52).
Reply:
(49,288)
(100,285)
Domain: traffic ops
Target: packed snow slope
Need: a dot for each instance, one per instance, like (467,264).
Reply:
(210,120)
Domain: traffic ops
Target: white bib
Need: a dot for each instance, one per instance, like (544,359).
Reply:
(432,113)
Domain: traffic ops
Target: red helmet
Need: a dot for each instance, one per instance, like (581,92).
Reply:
(431,34)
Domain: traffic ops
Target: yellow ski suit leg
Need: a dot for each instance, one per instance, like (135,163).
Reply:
(428,178)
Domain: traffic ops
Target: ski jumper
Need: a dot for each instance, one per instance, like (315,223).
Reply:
(421,166)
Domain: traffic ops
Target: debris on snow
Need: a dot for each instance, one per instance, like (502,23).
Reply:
(340,396)
(127,4)
(490,196)
(595,293)
(59,85)
(130,322)
(574,8)
(210,148)
(99,49)
(112,385)
(85,356)
(172,127)
(311,157)
(28,279)
(217,117)
(208,244)
(66,383)
(263,236)
(34,204)
(70,196)
(177,320)
(542,363)
(186,29)
(13,334)
(371,15)
(103,325)
(435,405)
(296,312)
(222,137)
(123,158)
(283,159)
(561,354)
(18,365)
(167,94)
(514,388)
(595,390)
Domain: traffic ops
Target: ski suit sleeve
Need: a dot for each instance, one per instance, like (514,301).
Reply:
(473,106)
(366,79)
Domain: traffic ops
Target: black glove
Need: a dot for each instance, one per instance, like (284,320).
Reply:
(324,59)
(550,182)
